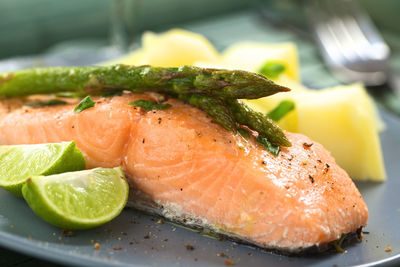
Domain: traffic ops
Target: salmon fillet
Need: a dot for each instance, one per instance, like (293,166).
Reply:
(188,168)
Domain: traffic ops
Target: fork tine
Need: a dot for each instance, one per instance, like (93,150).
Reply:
(378,49)
(366,42)
(337,28)
(318,17)
(358,38)
(344,34)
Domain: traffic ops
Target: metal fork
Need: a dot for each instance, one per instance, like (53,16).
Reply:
(351,45)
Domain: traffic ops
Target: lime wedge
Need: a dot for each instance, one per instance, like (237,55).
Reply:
(78,200)
(19,162)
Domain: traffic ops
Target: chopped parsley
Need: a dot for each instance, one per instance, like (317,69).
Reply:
(148,105)
(268,145)
(272,69)
(280,111)
(112,93)
(244,132)
(51,102)
(85,103)
(337,244)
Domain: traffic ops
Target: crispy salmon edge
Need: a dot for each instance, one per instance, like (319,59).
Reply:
(143,203)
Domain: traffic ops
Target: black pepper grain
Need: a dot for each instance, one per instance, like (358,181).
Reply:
(326,169)
(307,146)
(189,247)
(67,233)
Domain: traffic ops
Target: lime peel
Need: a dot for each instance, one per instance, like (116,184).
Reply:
(78,200)
(18,162)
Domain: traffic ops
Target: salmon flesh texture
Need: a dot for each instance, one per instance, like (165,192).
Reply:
(189,169)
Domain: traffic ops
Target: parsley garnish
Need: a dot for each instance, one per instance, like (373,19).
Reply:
(337,244)
(272,69)
(283,108)
(85,103)
(148,105)
(112,93)
(244,132)
(51,102)
(268,145)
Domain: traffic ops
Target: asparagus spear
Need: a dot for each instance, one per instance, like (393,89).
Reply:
(257,121)
(95,79)
(214,107)
(213,91)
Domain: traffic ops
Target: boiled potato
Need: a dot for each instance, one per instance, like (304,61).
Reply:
(173,48)
(343,119)
(251,56)
(176,48)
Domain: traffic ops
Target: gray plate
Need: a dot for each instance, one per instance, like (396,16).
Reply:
(22,231)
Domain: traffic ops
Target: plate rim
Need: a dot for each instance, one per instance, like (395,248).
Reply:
(27,247)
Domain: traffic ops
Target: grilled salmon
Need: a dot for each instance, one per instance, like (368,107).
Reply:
(187,168)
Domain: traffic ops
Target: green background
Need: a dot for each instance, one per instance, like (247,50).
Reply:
(31,26)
